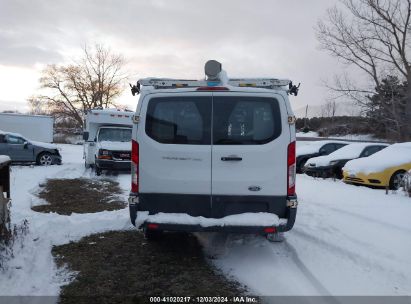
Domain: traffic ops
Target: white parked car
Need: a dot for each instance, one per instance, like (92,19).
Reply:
(213,155)
(331,165)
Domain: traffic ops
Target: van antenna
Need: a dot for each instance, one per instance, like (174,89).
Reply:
(135,89)
(293,89)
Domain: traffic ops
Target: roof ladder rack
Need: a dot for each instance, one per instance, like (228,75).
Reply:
(167,83)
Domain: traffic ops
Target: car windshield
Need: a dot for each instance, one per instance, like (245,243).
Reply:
(114,134)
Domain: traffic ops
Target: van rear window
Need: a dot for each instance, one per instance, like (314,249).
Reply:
(245,120)
(179,120)
(237,120)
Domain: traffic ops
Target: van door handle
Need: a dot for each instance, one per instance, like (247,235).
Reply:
(231,158)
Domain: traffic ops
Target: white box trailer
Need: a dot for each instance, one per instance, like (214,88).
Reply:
(34,127)
(107,140)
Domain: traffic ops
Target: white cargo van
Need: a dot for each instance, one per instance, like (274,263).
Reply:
(107,140)
(213,155)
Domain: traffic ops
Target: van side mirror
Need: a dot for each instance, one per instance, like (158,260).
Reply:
(26,145)
(85,135)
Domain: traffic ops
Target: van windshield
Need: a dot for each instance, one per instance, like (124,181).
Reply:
(114,134)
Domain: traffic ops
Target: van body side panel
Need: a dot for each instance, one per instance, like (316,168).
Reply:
(169,161)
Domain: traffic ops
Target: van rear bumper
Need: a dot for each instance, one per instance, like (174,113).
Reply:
(286,208)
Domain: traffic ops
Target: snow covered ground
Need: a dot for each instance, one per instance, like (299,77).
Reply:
(32,270)
(347,240)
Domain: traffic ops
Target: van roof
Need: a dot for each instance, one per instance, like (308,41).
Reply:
(110,111)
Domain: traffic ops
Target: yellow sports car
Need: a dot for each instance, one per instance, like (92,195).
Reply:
(385,168)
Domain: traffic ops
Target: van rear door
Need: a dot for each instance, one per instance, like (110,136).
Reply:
(249,153)
(174,137)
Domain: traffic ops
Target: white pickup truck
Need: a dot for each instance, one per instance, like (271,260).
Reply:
(107,140)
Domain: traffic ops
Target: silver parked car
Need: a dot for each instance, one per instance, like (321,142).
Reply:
(22,150)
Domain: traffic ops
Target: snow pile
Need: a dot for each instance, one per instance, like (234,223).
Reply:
(245,219)
(313,147)
(307,134)
(4,158)
(43,144)
(347,152)
(364,137)
(392,156)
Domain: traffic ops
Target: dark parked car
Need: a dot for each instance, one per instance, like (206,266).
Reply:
(23,150)
(307,150)
(331,165)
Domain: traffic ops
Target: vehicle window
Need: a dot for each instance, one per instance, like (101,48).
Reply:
(371,150)
(179,120)
(114,134)
(338,146)
(327,149)
(245,120)
(2,139)
(14,140)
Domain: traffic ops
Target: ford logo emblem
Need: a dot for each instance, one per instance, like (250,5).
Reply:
(254,188)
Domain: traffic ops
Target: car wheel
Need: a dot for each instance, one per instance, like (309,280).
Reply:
(98,171)
(45,159)
(396,180)
(300,166)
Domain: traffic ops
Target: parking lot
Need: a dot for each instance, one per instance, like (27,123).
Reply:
(347,240)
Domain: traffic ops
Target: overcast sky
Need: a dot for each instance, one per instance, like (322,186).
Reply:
(166,38)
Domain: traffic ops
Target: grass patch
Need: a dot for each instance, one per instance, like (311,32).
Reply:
(80,195)
(123,267)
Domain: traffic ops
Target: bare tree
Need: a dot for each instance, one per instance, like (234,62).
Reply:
(94,81)
(37,106)
(374,37)
(329,109)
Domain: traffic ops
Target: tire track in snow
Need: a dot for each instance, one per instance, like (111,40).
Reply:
(363,217)
(311,278)
(335,249)
(333,231)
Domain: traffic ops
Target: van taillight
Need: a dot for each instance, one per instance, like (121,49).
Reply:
(291,167)
(134,166)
